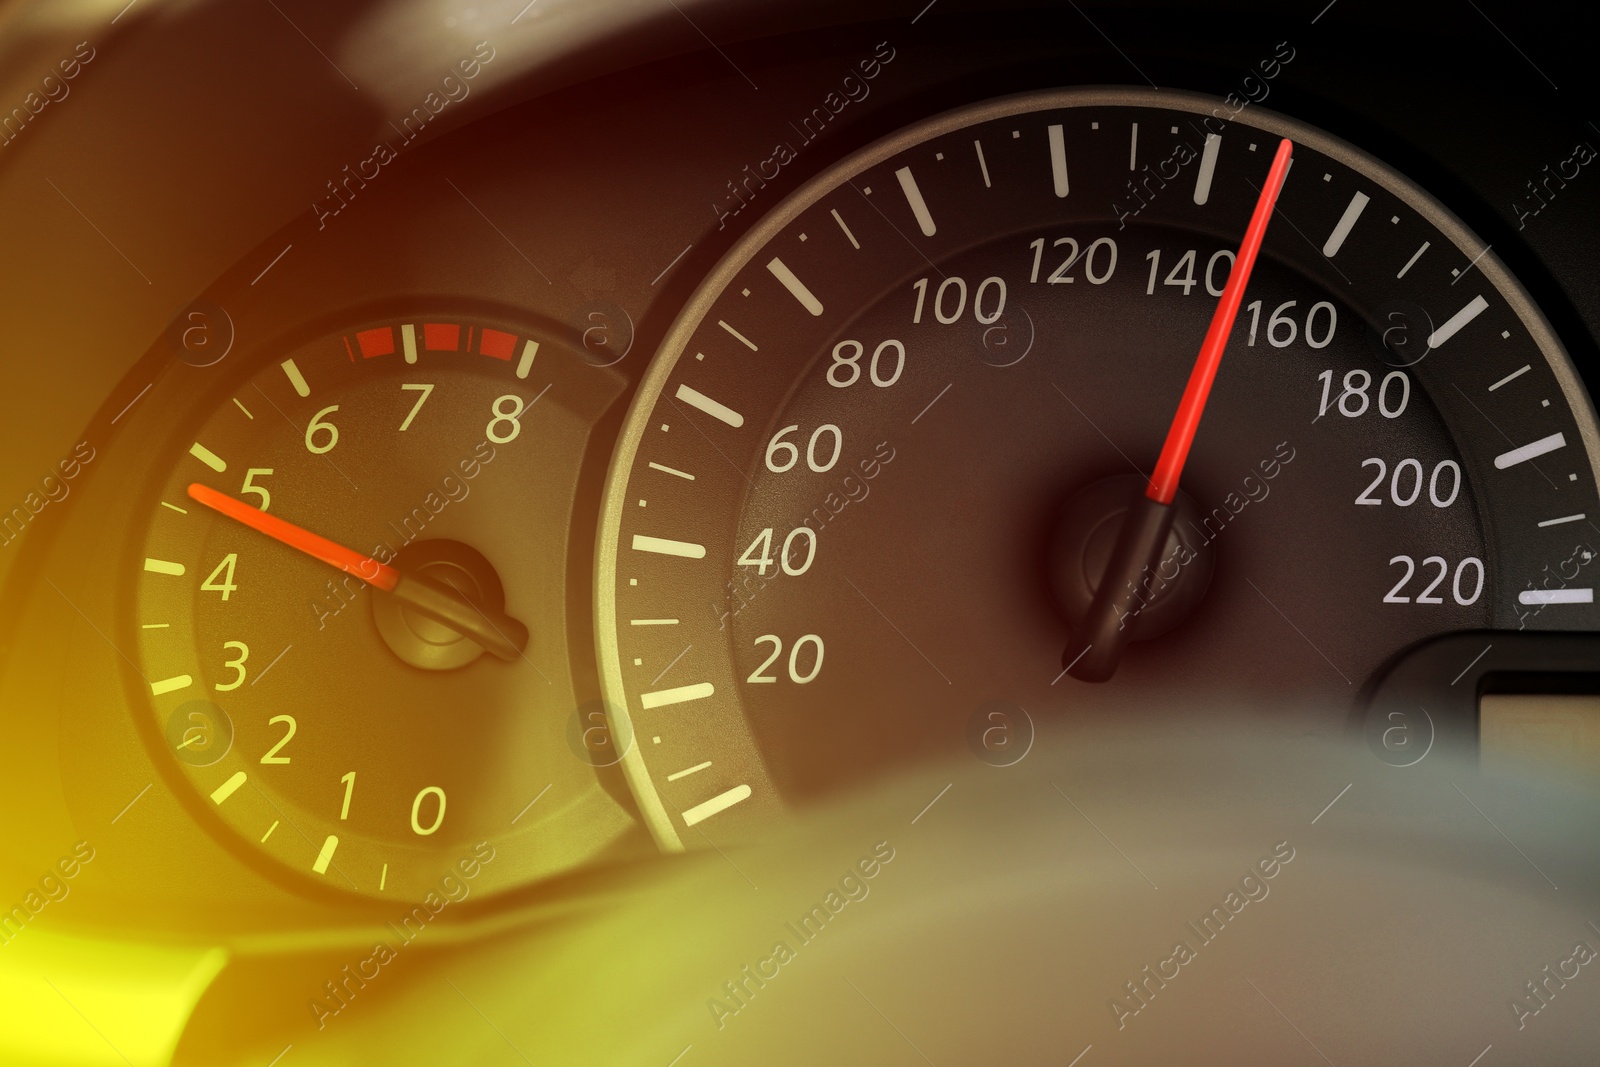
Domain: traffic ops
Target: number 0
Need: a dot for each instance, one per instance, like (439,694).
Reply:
(416,809)
(795,674)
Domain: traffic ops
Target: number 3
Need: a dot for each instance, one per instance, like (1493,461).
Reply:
(236,664)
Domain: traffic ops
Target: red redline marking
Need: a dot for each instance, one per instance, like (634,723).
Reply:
(1163,485)
(348,350)
(497,344)
(376,342)
(441,336)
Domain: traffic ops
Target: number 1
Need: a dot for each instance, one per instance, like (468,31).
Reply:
(349,781)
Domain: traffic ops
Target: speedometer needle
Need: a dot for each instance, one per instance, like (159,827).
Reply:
(1097,644)
(495,631)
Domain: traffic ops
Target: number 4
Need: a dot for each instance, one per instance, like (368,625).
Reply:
(1185,263)
(224,571)
(764,543)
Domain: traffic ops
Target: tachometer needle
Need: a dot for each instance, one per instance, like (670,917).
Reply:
(1097,644)
(495,631)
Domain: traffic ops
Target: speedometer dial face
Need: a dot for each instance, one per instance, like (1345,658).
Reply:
(349,731)
(878,464)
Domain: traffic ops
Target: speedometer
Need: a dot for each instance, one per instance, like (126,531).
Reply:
(868,488)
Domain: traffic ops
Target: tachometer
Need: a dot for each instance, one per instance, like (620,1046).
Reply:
(868,488)
(351,606)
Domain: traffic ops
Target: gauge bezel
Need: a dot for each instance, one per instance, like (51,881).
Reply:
(675,342)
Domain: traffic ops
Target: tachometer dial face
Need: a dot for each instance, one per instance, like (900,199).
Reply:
(865,490)
(316,714)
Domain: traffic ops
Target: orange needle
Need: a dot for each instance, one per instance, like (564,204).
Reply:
(316,546)
(1169,468)
(495,631)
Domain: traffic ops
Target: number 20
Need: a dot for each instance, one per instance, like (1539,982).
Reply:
(757,676)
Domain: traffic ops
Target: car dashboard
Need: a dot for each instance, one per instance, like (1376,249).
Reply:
(519,521)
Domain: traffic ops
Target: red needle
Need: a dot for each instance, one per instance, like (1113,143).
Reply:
(316,546)
(1098,639)
(1169,468)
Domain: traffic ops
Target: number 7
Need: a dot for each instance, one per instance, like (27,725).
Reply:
(427,390)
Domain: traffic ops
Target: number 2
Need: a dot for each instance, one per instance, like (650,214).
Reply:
(272,753)
(1393,596)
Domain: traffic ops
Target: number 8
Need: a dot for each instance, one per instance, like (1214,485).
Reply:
(1351,390)
(513,416)
(853,362)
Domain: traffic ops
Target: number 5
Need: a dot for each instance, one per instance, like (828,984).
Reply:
(258,490)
